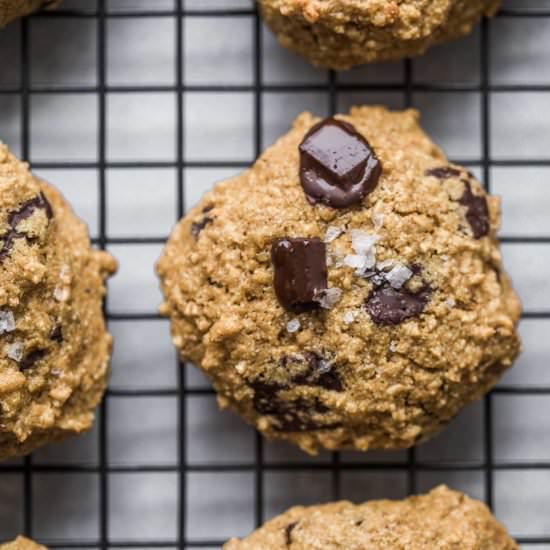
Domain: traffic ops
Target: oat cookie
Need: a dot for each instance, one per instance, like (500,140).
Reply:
(21,543)
(342,33)
(54,349)
(440,520)
(12,9)
(347,291)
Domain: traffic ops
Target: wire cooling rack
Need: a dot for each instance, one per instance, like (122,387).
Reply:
(133,108)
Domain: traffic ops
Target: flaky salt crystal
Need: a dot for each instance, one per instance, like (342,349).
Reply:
(356,261)
(393,346)
(349,317)
(384,264)
(450,302)
(15,351)
(329,297)
(377,220)
(399,275)
(332,233)
(362,242)
(61,294)
(7,321)
(293,325)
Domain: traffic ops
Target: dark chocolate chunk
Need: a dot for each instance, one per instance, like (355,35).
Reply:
(265,397)
(14,218)
(443,172)
(32,358)
(321,373)
(57,334)
(337,165)
(288,532)
(390,306)
(477,212)
(299,272)
(197,227)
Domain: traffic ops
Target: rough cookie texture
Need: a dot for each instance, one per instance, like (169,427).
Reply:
(12,9)
(21,543)
(54,349)
(414,318)
(342,33)
(440,520)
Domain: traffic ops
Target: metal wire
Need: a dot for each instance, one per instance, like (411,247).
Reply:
(332,88)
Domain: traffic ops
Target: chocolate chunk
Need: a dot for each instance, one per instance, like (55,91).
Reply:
(197,227)
(321,373)
(443,172)
(288,532)
(477,212)
(40,202)
(33,357)
(265,397)
(14,218)
(391,306)
(300,272)
(337,165)
(57,334)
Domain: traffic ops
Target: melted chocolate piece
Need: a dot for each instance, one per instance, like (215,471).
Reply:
(320,373)
(197,227)
(337,165)
(266,397)
(299,272)
(57,334)
(477,212)
(288,532)
(40,202)
(33,357)
(443,172)
(390,306)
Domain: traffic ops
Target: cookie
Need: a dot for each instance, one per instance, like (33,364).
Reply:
(441,519)
(54,348)
(12,9)
(347,291)
(21,543)
(341,33)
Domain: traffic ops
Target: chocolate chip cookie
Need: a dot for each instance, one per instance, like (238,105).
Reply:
(442,519)
(12,9)
(342,33)
(54,349)
(347,291)
(21,543)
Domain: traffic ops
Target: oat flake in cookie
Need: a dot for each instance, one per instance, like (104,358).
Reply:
(54,348)
(342,33)
(12,9)
(440,520)
(362,325)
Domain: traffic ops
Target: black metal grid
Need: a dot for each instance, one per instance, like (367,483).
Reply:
(332,88)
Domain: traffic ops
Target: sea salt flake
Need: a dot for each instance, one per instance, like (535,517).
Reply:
(384,264)
(61,294)
(398,276)
(377,220)
(356,261)
(349,316)
(329,297)
(362,242)
(15,351)
(293,325)
(7,321)
(370,259)
(450,302)
(332,233)
(393,346)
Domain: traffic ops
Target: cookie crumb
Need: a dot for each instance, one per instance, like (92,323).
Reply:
(450,303)
(349,316)
(377,220)
(293,325)
(393,346)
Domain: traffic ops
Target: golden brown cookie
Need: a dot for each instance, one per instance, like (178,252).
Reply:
(12,9)
(347,291)
(440,520)
(54,349)
(21,543)
(342,33)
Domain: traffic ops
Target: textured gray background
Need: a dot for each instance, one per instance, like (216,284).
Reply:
(142,202)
